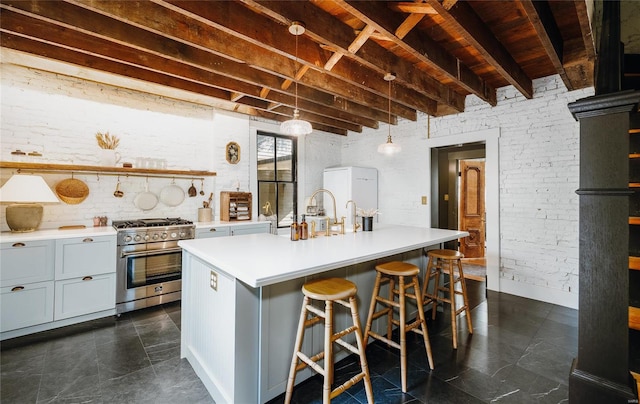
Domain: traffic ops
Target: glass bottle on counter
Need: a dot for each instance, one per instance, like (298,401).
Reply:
(295,232)
(304,229)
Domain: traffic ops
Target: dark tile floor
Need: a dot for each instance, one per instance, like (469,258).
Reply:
(520,352)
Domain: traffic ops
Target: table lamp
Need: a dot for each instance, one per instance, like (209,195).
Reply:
(25,193)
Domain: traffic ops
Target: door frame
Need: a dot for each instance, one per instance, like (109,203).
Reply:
(490,137)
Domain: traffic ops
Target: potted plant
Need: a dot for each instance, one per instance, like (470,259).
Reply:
(109,157)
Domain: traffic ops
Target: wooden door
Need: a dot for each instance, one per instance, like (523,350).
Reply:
(471,209)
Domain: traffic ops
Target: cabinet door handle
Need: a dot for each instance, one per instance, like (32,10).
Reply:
(17,288)
(87,278)
(213,229)
(87,240)
(18,245)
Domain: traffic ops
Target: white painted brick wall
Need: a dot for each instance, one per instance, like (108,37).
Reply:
(539,173)
(58,116)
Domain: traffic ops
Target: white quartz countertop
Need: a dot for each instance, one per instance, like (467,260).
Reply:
(264,259)
(53,234)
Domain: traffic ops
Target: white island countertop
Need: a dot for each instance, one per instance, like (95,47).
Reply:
(265,259)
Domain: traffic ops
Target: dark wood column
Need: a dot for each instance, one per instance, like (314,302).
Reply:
(600,373)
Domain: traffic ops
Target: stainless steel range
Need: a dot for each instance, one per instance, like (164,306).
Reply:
(149,261)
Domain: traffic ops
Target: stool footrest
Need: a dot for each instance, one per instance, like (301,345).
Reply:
(346,385)
(384,339)
(311,362)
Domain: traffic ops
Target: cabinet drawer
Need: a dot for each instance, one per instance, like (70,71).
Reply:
(26,262)
(89,294)
(221,231)
(26,305)
(82,256)
(263,227)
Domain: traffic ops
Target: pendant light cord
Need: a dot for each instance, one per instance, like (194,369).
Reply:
(389,109)
(295,77)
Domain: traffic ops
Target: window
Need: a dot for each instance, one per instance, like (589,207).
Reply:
(277,179)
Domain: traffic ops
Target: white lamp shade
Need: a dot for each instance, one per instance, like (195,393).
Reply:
(389,147)
(23,188)
(295,127)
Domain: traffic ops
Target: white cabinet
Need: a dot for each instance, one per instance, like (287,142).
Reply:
(89,294)
(26,280)
(233,230)
(215,231)
(82,256)
(259,227)
(55,282)
(85,276)
(26,262)
(26,305)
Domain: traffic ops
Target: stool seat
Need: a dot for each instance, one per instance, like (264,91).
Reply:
(394,274)
(446,254)
(329,289)
(398,268)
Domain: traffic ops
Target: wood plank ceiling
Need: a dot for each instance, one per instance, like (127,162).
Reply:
(241,53)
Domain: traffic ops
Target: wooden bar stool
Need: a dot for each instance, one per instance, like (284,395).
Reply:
(440,261)
(388,273)
(329,290)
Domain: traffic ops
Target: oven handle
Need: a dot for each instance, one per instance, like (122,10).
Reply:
(152,252)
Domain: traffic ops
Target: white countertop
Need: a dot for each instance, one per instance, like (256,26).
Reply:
(264,259)
(50,234)
(54,234)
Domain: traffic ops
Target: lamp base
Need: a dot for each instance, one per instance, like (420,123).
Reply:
(24,217)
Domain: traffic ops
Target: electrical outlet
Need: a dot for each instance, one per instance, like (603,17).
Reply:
(424,200)
(213,281)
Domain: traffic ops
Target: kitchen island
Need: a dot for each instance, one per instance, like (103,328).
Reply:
(241,300)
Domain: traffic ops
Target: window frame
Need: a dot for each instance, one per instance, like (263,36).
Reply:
(275,180)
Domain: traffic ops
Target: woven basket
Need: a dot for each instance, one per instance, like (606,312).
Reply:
(72,191)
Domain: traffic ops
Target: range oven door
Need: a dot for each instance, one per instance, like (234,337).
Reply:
(145,272)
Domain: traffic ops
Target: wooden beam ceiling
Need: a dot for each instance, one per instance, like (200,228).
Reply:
(240,53)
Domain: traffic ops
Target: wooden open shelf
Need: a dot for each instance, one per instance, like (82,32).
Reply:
(634,263)
(634,220)
(47,167)
(634,318)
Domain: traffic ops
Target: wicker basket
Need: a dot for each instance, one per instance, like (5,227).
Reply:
(72,191)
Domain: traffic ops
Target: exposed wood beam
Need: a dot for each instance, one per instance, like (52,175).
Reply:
(541,17)
(471,28)
(325,29)
(421,47)
(144,41)
(256,47)
(412,7)
(101,48)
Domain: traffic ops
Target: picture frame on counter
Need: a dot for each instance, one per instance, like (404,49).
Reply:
(232,153)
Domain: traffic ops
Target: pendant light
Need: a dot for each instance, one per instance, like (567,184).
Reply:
(389,147)
(296,126)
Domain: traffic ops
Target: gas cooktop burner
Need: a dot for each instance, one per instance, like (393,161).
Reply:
(169,221)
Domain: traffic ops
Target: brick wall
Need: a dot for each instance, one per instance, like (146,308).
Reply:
(539,169)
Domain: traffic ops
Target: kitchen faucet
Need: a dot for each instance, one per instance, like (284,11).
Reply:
(354,217)
(335,217)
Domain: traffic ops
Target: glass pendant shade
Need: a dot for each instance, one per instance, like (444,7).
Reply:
(295,126)
(389,147)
